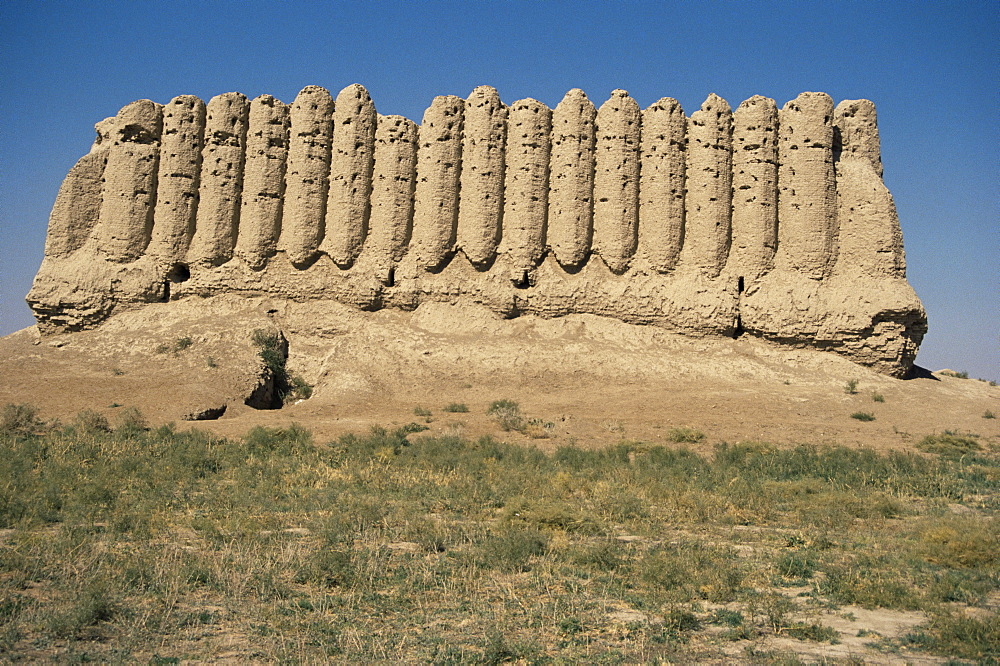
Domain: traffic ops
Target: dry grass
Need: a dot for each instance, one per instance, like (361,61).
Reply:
(124,544)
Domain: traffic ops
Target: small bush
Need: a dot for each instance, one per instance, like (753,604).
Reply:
(949,444)
(877,397)
(851,387)
(131,422)
(863,416)
(19,419)
(457,408)
(425,414)
(180,344)
(684,435)
(957,375)
(989,415)
(90,422)
(507,414)
(813,632)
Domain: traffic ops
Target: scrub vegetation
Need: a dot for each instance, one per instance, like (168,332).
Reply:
(124,543)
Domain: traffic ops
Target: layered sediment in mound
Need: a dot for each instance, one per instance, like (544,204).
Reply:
(760,221)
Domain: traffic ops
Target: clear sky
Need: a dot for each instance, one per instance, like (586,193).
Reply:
(932,68)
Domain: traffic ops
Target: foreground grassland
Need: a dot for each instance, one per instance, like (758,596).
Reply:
(161,545)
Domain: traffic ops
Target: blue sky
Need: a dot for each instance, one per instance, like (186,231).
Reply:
(932,68)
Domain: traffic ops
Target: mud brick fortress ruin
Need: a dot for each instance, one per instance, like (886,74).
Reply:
(761,221)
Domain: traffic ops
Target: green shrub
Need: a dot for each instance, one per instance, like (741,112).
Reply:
(949,444)
(684,435)
(958,375)
(19,419)
(863,416)
(507,414)
(131,422)
(989,415)
(851,387)
(877,397)
(456,407)
(90,422)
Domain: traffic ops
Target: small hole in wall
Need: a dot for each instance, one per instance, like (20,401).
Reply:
(522,282)
(390,278)
(179,272)
(739,285)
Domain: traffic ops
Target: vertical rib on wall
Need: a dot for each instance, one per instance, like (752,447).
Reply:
(871,242)
(616,180)
(263,181)
(484,135)
(177,182)
(755,187)
(129,192)
(221,180)
(709,187)
(78,203)
(661,183)
(571,179)
(526,185)
(351,162)
(393,182)
(307,175)
(439,162)
(807,196)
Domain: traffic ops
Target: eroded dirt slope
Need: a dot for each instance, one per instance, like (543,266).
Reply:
(583,379)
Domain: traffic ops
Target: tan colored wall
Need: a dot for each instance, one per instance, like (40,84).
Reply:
(759,221)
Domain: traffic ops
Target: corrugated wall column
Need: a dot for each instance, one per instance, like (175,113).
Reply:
(352,159)
(526,195)
(391,220)
(484,135)
(807,197)
(307,175)
(755,187)
(129,192)
(571,179)
(871,241)
(78,204)
(709,187)
(178,179)
(661,183)
(439,163)
(616,180)
(221,180)
(263,181)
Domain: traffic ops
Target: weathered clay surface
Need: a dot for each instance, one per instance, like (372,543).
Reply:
(263,181)
(352,159)
(178,178)
(571,178)
(661,184)
(481,182)
(616,181)
(221,180)
(307,175)
(526,188)
(760,222)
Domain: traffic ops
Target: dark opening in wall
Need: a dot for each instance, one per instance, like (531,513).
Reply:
(390,279)
(522,282)
(739,285)
(179,272)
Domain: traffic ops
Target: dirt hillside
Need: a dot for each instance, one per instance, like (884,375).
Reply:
(579,379)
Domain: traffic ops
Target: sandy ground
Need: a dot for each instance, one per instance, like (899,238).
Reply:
(596,381)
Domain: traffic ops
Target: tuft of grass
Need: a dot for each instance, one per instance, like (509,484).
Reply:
(684,435)
(425,414)
(989,415)
(211,362)
(851,386)
(507,414)
(863,416)
(952,373)
(949,444)
(877,397)
(456,407)
(812,632)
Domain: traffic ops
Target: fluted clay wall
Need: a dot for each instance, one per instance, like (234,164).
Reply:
(761,221)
